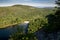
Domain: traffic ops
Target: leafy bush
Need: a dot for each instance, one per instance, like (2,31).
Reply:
(20,35)
(37,24)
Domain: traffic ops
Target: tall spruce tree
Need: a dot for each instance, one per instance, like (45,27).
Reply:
(54,19)
(57,15)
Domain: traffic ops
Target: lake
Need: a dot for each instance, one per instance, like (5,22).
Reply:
(6,32)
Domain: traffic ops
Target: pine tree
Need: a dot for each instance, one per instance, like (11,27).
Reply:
(57,15)
(54,19)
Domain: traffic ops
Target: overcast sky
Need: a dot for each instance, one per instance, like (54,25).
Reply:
(36,3)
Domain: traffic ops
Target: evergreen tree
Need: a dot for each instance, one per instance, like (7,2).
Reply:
(57,15)
(54,19)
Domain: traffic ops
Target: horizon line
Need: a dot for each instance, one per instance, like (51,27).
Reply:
(33,5)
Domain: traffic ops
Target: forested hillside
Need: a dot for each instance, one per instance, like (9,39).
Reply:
(19,13)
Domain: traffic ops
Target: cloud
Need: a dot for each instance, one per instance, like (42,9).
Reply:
(26,0)
(31,4)
(35,3)
(5,1)
(38,4)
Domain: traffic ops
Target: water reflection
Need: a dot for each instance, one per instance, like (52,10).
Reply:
(6,32)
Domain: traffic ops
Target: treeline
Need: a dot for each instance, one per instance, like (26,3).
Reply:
(18,14)
(34,26)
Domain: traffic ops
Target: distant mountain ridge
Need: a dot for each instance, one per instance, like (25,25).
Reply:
(15,14)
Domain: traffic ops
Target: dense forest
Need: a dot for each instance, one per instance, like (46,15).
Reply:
(39,18)
(19,13)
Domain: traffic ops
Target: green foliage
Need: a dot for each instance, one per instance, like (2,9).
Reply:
(57,17)
(18,14)
(37,24)
(54,19)
(20,35)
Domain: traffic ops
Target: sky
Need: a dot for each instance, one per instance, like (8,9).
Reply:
(35,3)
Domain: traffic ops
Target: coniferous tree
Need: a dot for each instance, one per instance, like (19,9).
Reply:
(57,15)
(54,19)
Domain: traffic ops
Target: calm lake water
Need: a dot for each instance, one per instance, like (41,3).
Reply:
(6,32)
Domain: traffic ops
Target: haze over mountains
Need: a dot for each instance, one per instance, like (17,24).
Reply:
(34,3)
(38,6)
